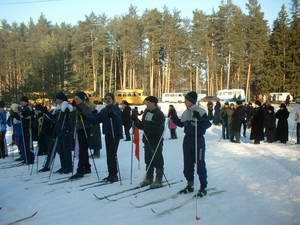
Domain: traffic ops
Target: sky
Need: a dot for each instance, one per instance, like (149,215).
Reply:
(71,11)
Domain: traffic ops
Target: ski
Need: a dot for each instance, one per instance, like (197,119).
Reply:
(185,202)
(91,183)
(12,166)
(117,193)
(139,192)
(65,180)
(22,219)
(163,199)
(96,185)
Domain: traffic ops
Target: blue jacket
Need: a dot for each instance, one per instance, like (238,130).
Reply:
(2,120)
(102,117)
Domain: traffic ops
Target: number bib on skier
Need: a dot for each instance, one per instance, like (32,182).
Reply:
(149,116)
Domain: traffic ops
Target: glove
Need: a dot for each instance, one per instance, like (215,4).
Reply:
(196,115)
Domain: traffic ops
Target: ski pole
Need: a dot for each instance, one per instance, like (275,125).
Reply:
(196,158)
(53,153)
(74,152)
(131,152)
(115,148)
(85,133)
(154,156)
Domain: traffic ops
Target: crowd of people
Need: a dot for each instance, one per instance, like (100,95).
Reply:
(264,122)
(71,127)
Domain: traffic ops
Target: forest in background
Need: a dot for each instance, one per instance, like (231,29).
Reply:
(158,51)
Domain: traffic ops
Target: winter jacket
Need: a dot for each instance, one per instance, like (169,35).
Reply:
(282,132)
(270,126)
(216,118)
(238,117)
(2,120)
(153,124)
(103,117)
(126,116)
(188,121)
(226,116)
(257,125)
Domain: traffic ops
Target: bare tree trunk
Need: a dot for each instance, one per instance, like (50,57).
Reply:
(111,72)
(133,78)
(238,77)
(247,84)
(115,71)
(103,73)
(221,78)
(197,79)
(151,76)
(228,70)
(191,79)
(124,69)
(93,65)
(207,76)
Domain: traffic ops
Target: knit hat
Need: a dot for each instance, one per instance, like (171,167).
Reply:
(24,99)
(61,96)
(81,95)
(191,97)
(110,95)
(282,105)
(239,102)
(152,99)
(257,103)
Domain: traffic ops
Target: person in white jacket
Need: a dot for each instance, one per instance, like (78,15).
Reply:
(297,120)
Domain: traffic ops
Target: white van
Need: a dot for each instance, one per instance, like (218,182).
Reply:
(173,97)
(231,95)
(280,96)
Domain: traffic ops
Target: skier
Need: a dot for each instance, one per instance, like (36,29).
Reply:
(236,124)
(14,121)
(2,130)
(152,124)
(172,126)
(110,114)
(83,129)
(126,119)
(297,120)
(26,114)
(282,130)
(192,115)
(226,115)
(257,124)
(270,124)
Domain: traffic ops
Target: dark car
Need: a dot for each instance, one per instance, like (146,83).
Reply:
(210,99)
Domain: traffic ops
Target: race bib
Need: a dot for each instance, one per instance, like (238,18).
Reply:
(149,116)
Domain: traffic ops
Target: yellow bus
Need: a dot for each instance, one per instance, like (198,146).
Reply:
(132,96)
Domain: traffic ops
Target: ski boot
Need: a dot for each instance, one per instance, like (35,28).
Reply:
(188,189)
(202,192)
(148,179)
(76,176)
(158,180)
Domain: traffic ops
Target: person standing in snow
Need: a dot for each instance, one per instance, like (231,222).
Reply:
(126,119)
(297,120)
(172,126)
(152,124)
(194,118)
(26,114)
(282,130)
(113,133)
(257,123)
(210,109)
(236,122)
(270,124)
(2,130)
(217,112)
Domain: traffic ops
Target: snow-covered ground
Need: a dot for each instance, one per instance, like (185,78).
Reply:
(261,184)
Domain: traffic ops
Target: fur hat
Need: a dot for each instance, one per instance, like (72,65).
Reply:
(61,96)
(191,97)
(24,99)
(81,95)
(152,99)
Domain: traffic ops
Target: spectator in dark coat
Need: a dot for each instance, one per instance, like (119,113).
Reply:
(270,124)
(282,130)
(236,123)
(126,119)
(210,108)
(217,113)
(2,130)
(257,124)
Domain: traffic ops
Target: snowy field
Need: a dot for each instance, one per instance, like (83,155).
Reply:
(261,185)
